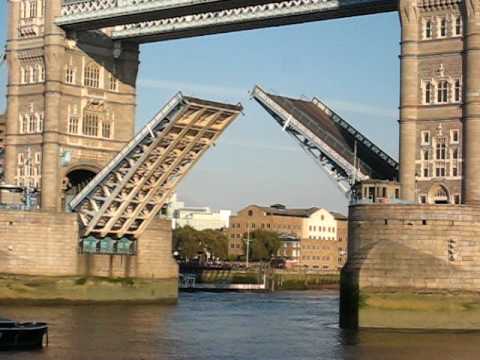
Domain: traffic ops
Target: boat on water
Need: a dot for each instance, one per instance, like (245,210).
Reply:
(22,335)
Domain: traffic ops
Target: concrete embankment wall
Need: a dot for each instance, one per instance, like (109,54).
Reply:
(45,244)
(411,263)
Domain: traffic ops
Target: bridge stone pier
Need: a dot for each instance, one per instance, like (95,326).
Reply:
(416,264)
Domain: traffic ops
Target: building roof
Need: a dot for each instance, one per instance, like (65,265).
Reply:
(303,213)
(338,216)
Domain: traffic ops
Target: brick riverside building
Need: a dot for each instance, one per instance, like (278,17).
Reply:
(314,237)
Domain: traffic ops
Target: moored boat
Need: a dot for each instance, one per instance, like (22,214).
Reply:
(22,335)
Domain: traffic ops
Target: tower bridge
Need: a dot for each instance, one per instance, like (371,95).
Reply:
(71,108)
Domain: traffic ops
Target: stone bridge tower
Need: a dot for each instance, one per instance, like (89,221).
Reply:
(440,101)
(71,102)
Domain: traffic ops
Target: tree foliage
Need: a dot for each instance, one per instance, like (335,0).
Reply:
(190,242)
(263,245)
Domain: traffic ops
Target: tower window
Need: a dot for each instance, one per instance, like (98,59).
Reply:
(73,124)
(425,155)
(458,25)
(454,136)
(70,75)
(458,90)
(428,92)
(440,171)
(90,124)
(428,29)
(442,92)
(455,154)
(441,151)
(92,76)
(443,27)
(106,130)
(425,137)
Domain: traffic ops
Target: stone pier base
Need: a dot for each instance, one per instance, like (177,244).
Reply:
(412,267)
(43,247)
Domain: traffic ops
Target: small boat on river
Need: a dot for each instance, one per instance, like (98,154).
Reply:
(22,335)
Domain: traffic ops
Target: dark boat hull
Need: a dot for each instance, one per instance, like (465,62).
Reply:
(24,336)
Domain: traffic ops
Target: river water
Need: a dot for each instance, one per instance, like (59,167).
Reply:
(283,325)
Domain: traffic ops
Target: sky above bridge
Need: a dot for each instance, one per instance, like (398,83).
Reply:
(351,64)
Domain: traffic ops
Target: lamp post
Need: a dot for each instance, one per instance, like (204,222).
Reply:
(248,244)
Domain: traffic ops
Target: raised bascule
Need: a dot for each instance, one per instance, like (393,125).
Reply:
(71,103)
(342,152)
(130,191)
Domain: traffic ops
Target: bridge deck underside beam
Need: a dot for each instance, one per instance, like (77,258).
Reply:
(123,198)
(247,18)
(178,20)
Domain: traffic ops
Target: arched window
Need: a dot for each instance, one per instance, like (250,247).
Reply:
(34,74)
(458,90)
(92,76)
(443,27)
(41,72)
(442,92)
(428,92)
(458,25)
(428,29)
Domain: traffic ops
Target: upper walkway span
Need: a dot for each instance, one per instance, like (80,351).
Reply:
(158,20)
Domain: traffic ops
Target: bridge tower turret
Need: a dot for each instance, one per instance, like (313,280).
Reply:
(71,102)
(435,98)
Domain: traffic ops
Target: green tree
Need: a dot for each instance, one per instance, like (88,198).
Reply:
(263,245)
(190,242)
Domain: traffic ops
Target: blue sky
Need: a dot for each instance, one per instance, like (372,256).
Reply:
(352,64)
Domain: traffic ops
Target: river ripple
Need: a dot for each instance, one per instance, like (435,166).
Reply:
(283,325)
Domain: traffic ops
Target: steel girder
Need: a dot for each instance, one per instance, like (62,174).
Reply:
(325,148)
(95,14)
(156,20)
(130,191)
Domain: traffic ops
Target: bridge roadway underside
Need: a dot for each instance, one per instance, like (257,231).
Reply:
(184,22)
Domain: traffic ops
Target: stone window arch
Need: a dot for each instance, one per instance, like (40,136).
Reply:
(92,76)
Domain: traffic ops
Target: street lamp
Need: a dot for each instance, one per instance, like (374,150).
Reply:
(248,244)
